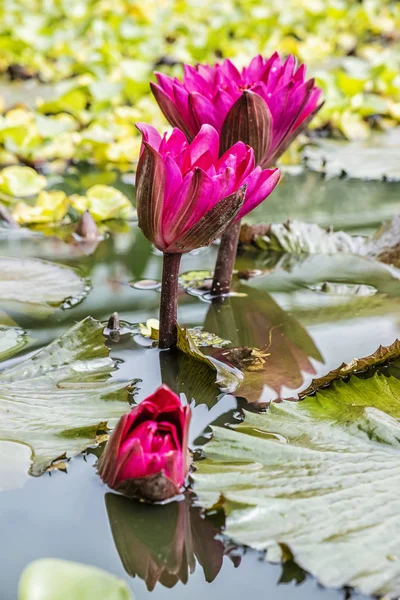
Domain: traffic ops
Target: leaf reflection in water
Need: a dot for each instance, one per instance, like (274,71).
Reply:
(161,543)
(270,346)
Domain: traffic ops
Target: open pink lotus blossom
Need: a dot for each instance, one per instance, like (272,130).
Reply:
(147,454)
(208,94)
(186,195)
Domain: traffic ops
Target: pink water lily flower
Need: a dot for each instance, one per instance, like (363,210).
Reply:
(228,99)
(187,195)
(147,455)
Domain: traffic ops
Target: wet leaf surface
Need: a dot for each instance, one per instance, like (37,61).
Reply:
(38,287)
(227,378)
(319,476)
(60,400)
(12,340)
(375,158)
(295,237)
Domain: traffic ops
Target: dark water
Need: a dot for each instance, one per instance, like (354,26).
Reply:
(307,333)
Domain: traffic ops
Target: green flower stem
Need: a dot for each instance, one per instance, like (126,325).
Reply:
(169,301)
(222,281)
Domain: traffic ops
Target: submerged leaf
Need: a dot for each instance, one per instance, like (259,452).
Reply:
(320,477)
(38,287)
(56,579)
(59,400)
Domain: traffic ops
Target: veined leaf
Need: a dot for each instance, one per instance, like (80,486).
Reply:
(60,400)
(320,476)
(37,286)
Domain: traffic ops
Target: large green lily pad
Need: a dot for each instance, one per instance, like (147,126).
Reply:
(321,477)
(60,400)
(38,287)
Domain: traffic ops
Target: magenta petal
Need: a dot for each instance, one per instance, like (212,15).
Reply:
(288,69)
(230,71)
(255,70)
(177,142)
(193,199)
(169,110)
(166,83)
(150,135)
(173,180)
(182,106)
(260,185)
(310,106)
(206,140)
(203,111)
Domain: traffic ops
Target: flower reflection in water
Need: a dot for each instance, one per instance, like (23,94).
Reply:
(162,543)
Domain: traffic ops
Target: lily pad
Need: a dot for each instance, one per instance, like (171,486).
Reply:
(298,238)
(60,400)
(50,207)
(228,378)
(12,340)
(375,158)
(104,202)
(320,477)
(55,579)
(37,286)
(21,181)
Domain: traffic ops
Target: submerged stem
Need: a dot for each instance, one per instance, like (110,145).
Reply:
(169,300)
(226,260)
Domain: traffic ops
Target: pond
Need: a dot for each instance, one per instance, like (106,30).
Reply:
(308,330)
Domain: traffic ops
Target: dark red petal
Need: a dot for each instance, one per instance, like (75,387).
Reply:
(170,111)
(249,121)
(150,181)
(209,227)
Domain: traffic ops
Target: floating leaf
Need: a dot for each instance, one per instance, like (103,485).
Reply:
(227,378)
(295,237)
(375,158)
(381,356)
(12,340)
(59,400)
(104,202)
(56,579)
(50,207)
(21,181)
(320,477)
(37,286)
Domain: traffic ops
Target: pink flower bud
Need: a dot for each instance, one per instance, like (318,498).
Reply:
(147,455)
